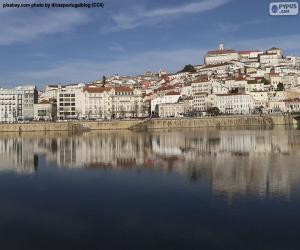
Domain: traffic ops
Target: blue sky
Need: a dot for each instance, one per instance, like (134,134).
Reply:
(128,37)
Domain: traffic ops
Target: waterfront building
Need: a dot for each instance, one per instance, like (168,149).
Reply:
(117,102)
(69,103)
(199,102)
(17,103)
(234,103)
(170,97)
(171,109)
(45,111)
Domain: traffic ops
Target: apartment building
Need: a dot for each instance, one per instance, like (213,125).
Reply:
(69,103)
(17,103)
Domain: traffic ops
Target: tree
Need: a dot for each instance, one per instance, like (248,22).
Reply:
(188,68)
(104,80)
(265,81)
(280,86)
(213,111)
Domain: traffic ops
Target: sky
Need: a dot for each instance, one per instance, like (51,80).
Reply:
(128,37)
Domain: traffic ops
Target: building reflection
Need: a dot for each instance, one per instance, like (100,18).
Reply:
(260,163)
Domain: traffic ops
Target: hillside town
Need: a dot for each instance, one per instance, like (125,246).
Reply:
(229,82)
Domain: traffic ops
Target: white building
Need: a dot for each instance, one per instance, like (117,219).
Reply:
(171,109)
(249,55)
(171,97)
(200,102)
(272,57)
(260,98)
(109,102)
(294,60)
(201,85)
(220,56)
(253,85)
(234,103)
(70,103)
(45,111)
(17,103)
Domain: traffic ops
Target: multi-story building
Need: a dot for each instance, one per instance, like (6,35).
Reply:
(253,85)
(199,102)
(171,97)
(249,55)
(17,103)
(220,56)
(70,103)
(201,85)
(45,111)
(109,102)
(171,109)
(234,103)
(294,60)
(272,57)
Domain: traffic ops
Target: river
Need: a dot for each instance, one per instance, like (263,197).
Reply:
(164,189)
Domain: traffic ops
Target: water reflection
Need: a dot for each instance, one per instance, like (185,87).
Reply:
(260,163)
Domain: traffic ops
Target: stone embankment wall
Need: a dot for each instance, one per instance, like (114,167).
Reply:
(217,122)
(143,125)
(68,126)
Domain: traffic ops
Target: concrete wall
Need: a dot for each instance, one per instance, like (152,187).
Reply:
(217,122)
(67,126)
(142,125)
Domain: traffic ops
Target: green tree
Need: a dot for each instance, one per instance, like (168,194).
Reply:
(265,81)
(188,68)
(280,86)
(213,111)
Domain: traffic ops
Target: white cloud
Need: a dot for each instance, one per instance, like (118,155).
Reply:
(24,25)
(83,71)
(140,16)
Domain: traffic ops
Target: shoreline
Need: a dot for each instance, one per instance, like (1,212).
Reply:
(266,121)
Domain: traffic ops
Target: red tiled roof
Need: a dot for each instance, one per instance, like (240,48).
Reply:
(92,89)
(123,89)
(218,52)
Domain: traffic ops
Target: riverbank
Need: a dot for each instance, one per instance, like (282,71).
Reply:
(143,125)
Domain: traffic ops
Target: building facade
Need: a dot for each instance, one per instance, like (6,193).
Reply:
(17,104)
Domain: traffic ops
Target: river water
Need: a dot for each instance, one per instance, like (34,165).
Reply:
(177,189)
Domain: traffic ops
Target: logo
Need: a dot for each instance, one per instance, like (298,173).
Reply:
(274,8)
(283,8)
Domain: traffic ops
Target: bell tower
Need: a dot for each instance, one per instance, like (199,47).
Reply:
(221,46)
